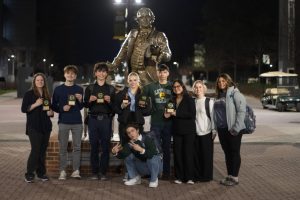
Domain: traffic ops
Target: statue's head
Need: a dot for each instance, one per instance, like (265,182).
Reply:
(145,17)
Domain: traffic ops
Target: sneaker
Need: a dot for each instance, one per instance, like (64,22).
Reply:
(178,181)
(76,174)
(153,184)
(134,181)
(29,179)
(94,177)
(103,177)
(223,181)
(228,181)
(190,182)
(62,175)
(126,177)
(43,178)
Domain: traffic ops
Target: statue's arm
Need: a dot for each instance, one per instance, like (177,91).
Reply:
(165,52)
(122,55)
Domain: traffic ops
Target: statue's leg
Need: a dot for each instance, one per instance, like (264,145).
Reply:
(151,74)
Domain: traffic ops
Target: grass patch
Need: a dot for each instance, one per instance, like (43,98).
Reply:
(5,91)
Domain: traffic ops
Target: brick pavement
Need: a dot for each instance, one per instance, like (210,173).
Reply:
(268,171)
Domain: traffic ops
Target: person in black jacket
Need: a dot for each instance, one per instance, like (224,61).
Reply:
(184,132)
(99,99)
(36,105)
(131,106)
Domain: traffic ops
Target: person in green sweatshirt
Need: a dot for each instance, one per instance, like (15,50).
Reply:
(160,93)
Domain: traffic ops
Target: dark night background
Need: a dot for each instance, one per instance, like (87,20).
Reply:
(234,33)
(81,32)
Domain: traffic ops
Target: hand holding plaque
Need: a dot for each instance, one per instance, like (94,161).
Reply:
(143,101)
(170,107)
(100,97)
(71,100)
(46,105)
(125,102)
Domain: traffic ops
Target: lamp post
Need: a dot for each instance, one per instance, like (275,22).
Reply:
(12,60)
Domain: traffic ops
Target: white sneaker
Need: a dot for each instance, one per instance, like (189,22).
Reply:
(134,181)
(62,175)
(190,182)
(76,174)
(153,184)
(126,177)
(178,181)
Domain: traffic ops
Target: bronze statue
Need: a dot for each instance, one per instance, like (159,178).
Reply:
(144,48)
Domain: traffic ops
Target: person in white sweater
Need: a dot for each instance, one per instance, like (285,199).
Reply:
(205,136)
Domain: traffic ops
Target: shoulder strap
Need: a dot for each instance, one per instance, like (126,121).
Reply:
(207,107)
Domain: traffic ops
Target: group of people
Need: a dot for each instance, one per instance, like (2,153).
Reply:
(191,120)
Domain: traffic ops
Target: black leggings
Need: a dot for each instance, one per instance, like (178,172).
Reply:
(231,146)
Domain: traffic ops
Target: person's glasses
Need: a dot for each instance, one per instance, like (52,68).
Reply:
(176,86)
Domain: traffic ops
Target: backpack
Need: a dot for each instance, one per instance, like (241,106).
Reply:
(151,134)
(250,120)
(207,108)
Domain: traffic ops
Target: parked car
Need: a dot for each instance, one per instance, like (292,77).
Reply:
(285,95)
(281,99)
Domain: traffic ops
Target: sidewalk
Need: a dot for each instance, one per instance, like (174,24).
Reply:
(270,169)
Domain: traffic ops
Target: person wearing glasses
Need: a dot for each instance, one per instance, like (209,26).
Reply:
(184,132)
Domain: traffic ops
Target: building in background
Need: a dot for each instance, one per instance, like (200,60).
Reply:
(18,36)
(287,40)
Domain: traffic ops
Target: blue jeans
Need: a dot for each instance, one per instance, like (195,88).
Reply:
(152,167)
(99,134)
(163,135)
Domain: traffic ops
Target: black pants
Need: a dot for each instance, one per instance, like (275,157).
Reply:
(37,156)
(184,156)
(100,134)
(231,146)
(204,150)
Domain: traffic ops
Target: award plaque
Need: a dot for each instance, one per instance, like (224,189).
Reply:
(125,101)
(100,98)
(170,107)
(46,105)
(71,100)
(143,101)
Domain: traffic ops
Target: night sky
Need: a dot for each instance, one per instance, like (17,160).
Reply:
(80,32)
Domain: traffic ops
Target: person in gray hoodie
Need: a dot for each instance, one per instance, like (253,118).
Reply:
(228,114)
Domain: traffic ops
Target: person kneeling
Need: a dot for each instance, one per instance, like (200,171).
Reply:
(141,157)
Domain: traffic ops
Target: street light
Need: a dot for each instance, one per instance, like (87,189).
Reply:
(13,67)
(45,68)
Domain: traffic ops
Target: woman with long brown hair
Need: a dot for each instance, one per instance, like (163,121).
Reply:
(228,115)
(36,105)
